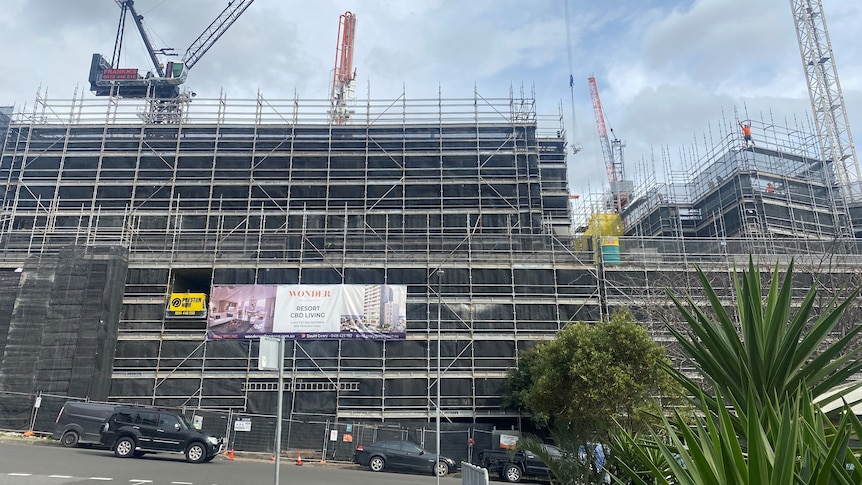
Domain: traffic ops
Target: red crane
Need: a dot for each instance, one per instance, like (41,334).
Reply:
(613,167)
(344,73)
(613,153)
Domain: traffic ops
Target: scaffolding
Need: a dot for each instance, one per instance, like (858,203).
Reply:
(269,191)
(778,188)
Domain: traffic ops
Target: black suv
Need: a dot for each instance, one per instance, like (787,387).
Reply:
(135,431)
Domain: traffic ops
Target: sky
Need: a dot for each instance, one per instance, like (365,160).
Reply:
(667,70)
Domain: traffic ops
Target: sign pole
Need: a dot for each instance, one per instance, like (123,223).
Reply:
(279,412)
(439,383)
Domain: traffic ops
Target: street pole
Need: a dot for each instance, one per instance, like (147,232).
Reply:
(439,382)
(279,412)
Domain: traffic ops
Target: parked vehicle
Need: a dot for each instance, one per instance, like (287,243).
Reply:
(135,431)
(402,455)
(79,423)
(512,467)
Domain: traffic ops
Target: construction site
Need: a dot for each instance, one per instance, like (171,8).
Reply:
(112,205)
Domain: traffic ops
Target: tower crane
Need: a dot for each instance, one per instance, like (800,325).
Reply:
(108,79)
(612,151)
(827,101)
(344,74)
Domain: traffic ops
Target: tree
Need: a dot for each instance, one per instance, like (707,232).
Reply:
(591,376)
(582,384)
(765,364)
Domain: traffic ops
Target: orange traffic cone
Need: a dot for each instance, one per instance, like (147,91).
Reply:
(29,433)
(298,460)
(230,455)
(272,458)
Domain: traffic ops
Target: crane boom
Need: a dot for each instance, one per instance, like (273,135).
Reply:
(215,30)
(343,73)
(827,101)
(611,166)
(130,4)
(108,79)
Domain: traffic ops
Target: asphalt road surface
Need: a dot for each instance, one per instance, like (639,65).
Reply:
(29,464)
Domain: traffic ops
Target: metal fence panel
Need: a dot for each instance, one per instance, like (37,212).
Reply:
(473,475)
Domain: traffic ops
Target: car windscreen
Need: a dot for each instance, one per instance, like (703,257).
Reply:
(553,451)
(410,447)
(185,421)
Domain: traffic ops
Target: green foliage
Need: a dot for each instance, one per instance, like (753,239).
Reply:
(764,365)
(793,444)
(591,375)
(777,351)
(574,466)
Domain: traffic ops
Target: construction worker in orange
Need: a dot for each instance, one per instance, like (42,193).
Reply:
(746,134)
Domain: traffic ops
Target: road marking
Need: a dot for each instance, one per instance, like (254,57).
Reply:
(20,474)
(104,479)
(137,480)
(59,476)
(182,483)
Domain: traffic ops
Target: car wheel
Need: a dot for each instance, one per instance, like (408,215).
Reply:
(196,453)
(124,447)
(441,469)
(512,473)
(376,463)
(69,439)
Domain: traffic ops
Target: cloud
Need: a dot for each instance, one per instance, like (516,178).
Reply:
(667,69)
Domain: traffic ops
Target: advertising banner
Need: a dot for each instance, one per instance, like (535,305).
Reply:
(308,312)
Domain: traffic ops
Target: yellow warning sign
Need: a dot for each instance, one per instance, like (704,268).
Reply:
(187,305)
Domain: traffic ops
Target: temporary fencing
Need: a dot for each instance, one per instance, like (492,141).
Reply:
(316,437)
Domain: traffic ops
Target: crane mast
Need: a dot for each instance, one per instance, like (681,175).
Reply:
(827,101)
(344,73)
(614,172)
(612,151)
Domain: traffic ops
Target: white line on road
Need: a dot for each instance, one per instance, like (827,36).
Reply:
(20,474)
(182,483)
(59,476)
(138,481)
(104,479)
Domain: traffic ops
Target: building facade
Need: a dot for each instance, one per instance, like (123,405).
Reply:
(106,214)
(463,201)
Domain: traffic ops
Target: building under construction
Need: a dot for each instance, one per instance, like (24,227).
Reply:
(271,192)
(464,201)
(780,187)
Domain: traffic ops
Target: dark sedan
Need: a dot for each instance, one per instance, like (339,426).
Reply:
(402,455)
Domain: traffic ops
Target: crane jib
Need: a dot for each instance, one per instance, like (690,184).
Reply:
(163,80)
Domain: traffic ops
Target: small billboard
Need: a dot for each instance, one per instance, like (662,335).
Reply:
(185,305)
(308,312)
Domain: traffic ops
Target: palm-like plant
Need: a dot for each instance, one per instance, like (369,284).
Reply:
(764,365)
(793,444)
(775,354)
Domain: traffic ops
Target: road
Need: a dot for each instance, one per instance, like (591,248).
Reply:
(29,464)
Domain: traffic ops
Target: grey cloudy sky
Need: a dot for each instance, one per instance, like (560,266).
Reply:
(666,69)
